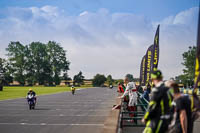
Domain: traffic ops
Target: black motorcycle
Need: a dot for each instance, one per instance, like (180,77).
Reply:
(31,101)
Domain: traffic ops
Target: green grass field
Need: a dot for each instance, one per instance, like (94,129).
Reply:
(20,92)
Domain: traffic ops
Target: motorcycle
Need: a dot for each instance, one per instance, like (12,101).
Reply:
(110,86)
(73,90)
(31,101)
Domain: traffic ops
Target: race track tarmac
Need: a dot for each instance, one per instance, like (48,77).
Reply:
(85,112)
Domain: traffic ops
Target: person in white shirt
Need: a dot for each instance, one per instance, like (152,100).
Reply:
(131,91)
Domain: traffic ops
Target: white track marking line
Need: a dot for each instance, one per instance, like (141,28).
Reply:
(64,102)
(58,103)
(40,106)
(60,115)
(46,124)
(68,109)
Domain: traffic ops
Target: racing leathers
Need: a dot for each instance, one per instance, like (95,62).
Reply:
(158,115)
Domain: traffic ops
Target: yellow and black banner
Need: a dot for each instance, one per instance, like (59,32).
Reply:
(149,63)
(156,50)
(143,71)
(197,63)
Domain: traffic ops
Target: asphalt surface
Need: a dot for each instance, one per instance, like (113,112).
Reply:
(84,112)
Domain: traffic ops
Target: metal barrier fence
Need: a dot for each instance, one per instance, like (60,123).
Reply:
(135,120)
(125,120)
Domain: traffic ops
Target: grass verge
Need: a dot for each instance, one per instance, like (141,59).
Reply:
(21,91)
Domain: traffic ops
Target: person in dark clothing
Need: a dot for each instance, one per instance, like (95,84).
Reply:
(157,117)
(183,122)
(140,89)
(31,92)
(145,94)
(149,88)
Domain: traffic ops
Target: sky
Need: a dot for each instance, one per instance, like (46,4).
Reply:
(104,36)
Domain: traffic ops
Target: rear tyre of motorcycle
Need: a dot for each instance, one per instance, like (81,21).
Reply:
(30,107)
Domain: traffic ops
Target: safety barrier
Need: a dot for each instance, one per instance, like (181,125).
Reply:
(112,122)
(126,120)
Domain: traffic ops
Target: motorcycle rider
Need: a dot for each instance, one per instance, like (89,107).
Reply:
(73,90)
(31,92)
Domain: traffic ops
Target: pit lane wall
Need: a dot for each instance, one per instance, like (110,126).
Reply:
(111,124)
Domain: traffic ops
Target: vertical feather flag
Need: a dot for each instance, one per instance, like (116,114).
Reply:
(142,71)
(149,63)
(197,63)
(155,57)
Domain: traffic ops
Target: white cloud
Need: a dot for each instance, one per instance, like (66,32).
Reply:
(177,34)
(83,13)
(102,42)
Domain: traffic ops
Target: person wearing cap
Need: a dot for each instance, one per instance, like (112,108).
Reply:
(158,115)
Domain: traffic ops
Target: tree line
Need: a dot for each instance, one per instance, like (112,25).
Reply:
(45,64)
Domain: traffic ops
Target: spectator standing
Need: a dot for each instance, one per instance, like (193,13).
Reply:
(183,114)
(157,117)
(131,92)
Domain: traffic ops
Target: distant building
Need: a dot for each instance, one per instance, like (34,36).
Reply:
(15,83)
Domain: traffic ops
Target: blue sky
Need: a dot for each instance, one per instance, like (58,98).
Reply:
(155,9)
(104,36)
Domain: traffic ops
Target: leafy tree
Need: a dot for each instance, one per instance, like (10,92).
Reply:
(109,80)
(136,79)
(121,81)
(98,80)
(57,59)
(65,76)
(130,76)
(2,71)
(78,79)
(182,79)
(17,59)
(189,64)
(187,78)
(37,62)
(6,72)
